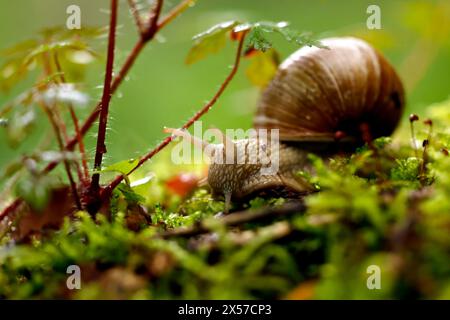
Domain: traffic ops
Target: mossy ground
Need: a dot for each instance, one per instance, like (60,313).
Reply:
(380,206)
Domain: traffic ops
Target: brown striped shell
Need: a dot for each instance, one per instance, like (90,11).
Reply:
(319,93)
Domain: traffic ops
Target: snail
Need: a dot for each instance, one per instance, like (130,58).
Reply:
(319,98)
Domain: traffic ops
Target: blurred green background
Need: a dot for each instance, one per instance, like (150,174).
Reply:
(162,90)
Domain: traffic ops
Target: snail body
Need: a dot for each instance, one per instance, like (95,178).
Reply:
(247,176)
(319,97)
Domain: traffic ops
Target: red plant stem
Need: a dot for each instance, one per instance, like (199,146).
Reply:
(85,174)
(108,189)
(11,208)
(136,16)
(59,139)
(57,116)
(106,97)
(84,177)
(58,126)
(153,21)
(122,74)
(129,61)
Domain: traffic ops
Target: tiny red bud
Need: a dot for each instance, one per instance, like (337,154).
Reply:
(425,143)
(413,117)
(338,135)
(444,152)
(428,122)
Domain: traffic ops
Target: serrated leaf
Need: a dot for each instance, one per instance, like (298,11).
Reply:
(257,38)
(123,167)
(129,194)
(210,41)
(57,47)
(263,67)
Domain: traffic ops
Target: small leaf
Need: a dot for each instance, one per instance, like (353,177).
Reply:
(123,167)
(263,67)
(56,47)
(142,186)
(129,194)
(210,41)
(257,39)
(142,182)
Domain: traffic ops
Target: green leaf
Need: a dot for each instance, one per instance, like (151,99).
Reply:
(214,39)
(257,39)
(129,194)
(123,167)
(210,41)
(57,47)
(142,186)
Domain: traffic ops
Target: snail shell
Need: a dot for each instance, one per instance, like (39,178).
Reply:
(318,93)
(348,91)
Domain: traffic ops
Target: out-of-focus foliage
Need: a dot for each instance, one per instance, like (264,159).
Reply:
(55,54)
(71,46)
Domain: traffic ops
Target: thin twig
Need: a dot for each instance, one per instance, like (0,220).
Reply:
(84,176)
(58,126)
(62,128)
(11,208)
(137,18)
(106,97)
(238,218)
(59,139)
(153,21)
(118,79)
(197,116)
